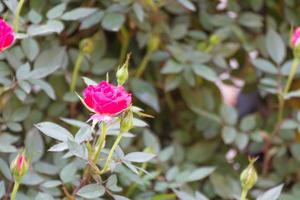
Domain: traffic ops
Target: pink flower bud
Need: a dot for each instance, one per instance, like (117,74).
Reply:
(6,35)
(19,165)
(295,37)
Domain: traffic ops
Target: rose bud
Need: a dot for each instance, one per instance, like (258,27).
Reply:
(122,73)
(126,121)
(295,39)
(106,100)
(6,35)
(19,165)
(249,176)
(86,46)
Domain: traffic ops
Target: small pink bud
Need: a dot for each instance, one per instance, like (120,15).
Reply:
(295,37)
(19,165)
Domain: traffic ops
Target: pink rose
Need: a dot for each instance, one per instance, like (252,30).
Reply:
(106,99)
(295,37)
(6,35)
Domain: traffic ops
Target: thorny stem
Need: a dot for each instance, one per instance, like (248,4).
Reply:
(76,71)
(17,17)
(291,75)
(111,152)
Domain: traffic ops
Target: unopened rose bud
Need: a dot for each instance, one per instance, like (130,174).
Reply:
(214,40)
(122,73)
(295,40)
(249,176)
(153,43)
(86,46)
(19,166)
(126,120)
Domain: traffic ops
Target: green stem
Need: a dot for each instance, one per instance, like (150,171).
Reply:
(100,142)
(292,74)
(17,17)
(111,152)
(141,68)
(125,43)
(15,190)
(244,194)
(76,71)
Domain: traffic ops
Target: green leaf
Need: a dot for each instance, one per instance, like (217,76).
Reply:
(200,173)
(171,67)
(241,141)
(275,46)
(78,13)
(251,20)
(4,169)
(289,124)
(139,157)
(145,92)
(53,26)
(56,11)
(183,195)
(30,48)
(68,173)
(2,189)
(248,123)
(139,12)
(34,145)
(51,184)
(43,196)
(46,87)
(295,150)
(54,131)
(119,197)
(271,194)
(83,134)
(78,150)
(229,114)
(265,66)
(187,4)
(229,134)
(20,114)
(113,21)
(91,191)
(205,72)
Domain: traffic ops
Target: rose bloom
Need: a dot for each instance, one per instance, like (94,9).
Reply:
(6,35)
(295,37)
(106,100)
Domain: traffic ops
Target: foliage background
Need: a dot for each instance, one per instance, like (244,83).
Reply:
(181,51)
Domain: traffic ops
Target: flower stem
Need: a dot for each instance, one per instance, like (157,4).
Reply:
(141,68)
(17,17)
(76,71)
(125,43)
(292,74)
(100,142)
(111,152)
(244,194)
(15,190)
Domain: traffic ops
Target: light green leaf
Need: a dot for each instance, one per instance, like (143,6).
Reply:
(145,92)
(4,169)
(171,67)
(54,131)
(139,157)
(83,134)
(51,184)
(229,114)
(113,21)
(2,189)
(275,46)
(91,191)
(68,173)
(229,134)
(187,4)
(78,13)
(271,194)
(265,66)
(30,48)
(56,11)
(46,87)
(200,173)
(248,123)
(43,196)
(205,72)
(34,145)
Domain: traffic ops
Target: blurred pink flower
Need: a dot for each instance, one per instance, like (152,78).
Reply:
(6,35)
(295,37)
